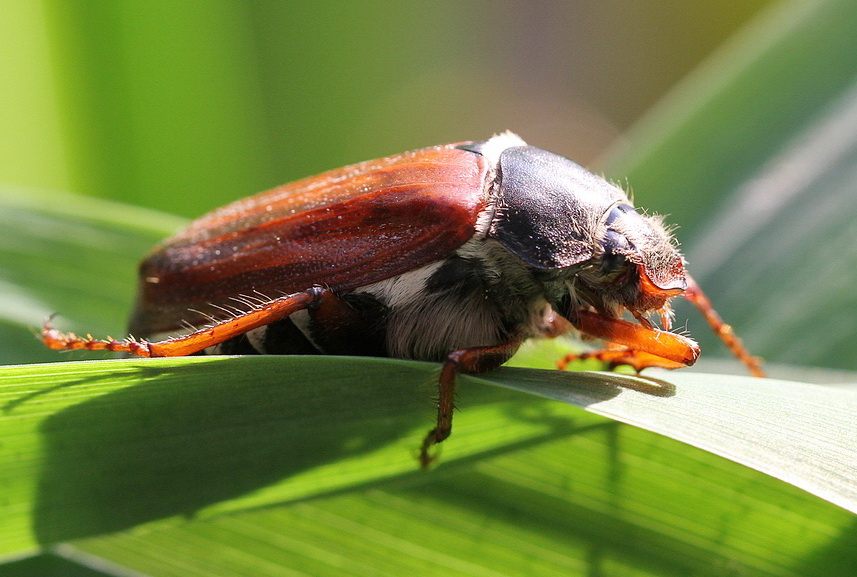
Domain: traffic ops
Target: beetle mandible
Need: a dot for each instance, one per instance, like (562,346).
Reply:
(456,253)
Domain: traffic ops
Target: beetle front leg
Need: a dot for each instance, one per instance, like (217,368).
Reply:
(471,360)
(209,336)
(638,360)
(678,350)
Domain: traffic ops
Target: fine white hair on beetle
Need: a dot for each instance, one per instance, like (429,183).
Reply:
(491,150)
(494,146)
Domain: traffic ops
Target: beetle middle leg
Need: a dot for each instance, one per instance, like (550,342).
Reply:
(471,360)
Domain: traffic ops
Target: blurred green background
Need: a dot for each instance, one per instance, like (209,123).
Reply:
(185,106)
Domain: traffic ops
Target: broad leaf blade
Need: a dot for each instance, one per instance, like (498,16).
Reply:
(169,438)
(609,499)
(169,446)
(95,447)
(800,433)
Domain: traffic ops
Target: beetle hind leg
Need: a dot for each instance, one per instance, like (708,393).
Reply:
(54,339)
(198,340)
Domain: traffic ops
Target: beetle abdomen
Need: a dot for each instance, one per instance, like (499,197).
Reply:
(480,296)
(278,338)
(344,229)
(349,324)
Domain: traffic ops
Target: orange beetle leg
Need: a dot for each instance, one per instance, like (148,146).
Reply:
(613,358)
(196,341)
(472,360)
(664,346)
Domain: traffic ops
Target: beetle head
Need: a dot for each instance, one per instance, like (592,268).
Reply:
(635,266)
(582,235)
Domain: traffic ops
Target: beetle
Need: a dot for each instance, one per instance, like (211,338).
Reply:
(455,253)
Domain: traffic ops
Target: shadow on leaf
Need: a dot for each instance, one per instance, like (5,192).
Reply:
(185,436)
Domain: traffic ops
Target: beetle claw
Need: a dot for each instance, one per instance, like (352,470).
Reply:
(426,458)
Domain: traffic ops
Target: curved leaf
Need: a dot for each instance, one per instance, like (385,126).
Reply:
(93,448)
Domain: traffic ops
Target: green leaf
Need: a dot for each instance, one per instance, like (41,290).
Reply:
(188,448)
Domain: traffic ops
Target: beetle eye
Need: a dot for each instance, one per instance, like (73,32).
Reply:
(612,262)
(616,246)
(617,211)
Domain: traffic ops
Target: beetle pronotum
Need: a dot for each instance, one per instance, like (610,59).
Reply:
(455,253)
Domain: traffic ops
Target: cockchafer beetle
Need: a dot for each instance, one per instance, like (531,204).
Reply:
(456,253)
